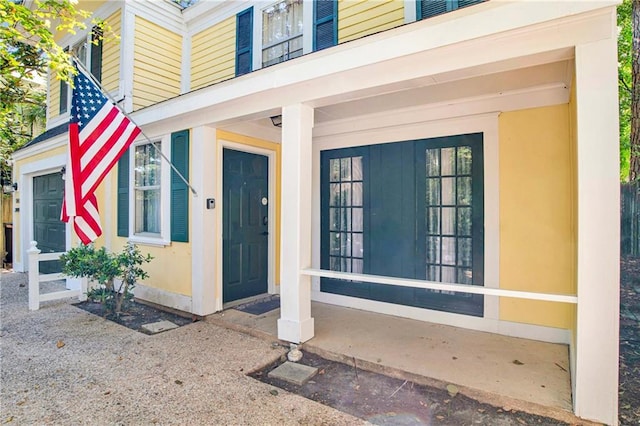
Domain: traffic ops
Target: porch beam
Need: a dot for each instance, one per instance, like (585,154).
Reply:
(432,285)
(295,323)
(598,231)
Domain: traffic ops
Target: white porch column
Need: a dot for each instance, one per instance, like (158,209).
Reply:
(596,343)
(295,323)
(203,222)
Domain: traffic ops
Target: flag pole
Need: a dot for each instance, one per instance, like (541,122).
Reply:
(115,103)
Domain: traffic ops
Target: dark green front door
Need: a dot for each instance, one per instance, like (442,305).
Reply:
(48,229)
(245,225)
(409,209)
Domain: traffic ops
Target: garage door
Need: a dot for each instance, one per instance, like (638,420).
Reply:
(48,230)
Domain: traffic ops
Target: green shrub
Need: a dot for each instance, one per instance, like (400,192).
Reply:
(116,274)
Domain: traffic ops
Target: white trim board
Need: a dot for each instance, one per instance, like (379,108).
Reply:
(50,144)
(163,297)
(442,286)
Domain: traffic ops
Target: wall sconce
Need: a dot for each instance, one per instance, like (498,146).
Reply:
(276,120)
(7,189)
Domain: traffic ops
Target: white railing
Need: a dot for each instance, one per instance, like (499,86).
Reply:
(432,285)
(35,278)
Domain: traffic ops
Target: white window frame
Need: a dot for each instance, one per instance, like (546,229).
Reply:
(70,44)
(307,31)
(164,237)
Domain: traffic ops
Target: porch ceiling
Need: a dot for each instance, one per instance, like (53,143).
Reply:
(444,89)
(549,70)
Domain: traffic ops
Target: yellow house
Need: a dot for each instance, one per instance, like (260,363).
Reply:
(448,161)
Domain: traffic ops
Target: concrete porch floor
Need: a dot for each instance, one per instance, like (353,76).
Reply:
(509,372)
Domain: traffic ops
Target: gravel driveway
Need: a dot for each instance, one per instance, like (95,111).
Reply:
(62,365)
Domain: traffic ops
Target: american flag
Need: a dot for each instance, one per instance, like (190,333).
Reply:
(99,133)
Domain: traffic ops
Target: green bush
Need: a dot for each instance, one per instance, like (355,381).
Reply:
(116,274)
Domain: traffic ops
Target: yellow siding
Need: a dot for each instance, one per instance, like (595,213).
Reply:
(54,96)
(157,64)
(537,213)
(213,54)
(170,269)
(359,18)
(259,143)
(111,56)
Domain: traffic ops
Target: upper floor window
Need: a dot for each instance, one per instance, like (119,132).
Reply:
(429,8)
(282,28)
(89,52)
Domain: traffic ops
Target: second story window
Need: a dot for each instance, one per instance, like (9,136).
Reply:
(89,52)
(282,25)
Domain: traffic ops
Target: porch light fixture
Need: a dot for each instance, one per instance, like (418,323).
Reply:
(277,120)
(9,188)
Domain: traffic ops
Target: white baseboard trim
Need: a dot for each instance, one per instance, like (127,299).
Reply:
(163,297)
(506,328)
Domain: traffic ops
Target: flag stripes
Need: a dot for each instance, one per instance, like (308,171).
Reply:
(99,133)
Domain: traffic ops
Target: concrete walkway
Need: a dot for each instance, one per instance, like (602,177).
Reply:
(508,372)
(61,365)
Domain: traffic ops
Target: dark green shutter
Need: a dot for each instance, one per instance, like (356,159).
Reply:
(325,24)
(96,54)
(465,3)
(123,195)
(64,94)
(429,8)
(244,41)
(179,189)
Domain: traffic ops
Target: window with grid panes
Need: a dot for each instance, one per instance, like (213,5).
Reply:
(448,214)
(147,189)
(346,250)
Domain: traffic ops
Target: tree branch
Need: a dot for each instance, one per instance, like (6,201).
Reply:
(625,85)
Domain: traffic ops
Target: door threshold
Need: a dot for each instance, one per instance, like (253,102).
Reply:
(235,303)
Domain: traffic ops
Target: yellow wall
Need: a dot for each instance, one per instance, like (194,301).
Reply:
(170,269)
(157,64)
(213,54)
(259,143)
(111,55)
(358,18)
(537,213)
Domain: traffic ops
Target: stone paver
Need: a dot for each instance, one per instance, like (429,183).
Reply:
(160,326)
(291,372)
